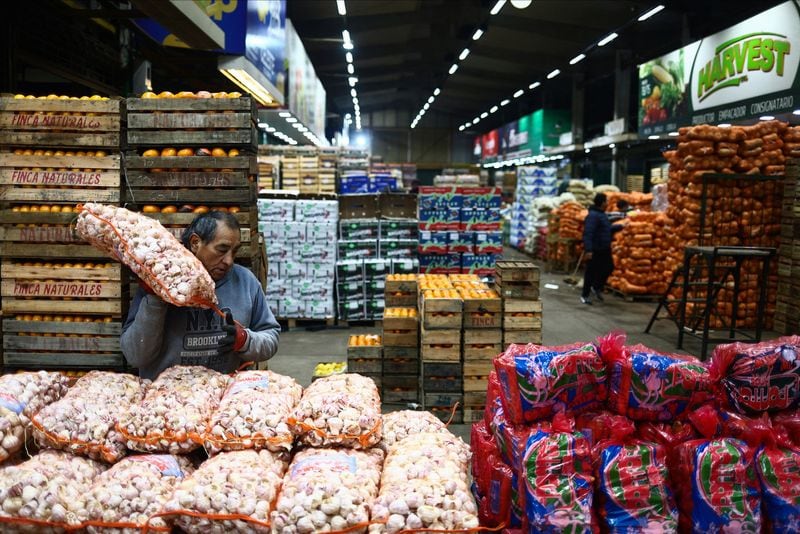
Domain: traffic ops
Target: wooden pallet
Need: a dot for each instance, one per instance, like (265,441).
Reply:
(60,123)
(204,122)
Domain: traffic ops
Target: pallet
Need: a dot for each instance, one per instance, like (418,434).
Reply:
(629,297)
(205,122)
(517,271)
(400,366)
(60,123)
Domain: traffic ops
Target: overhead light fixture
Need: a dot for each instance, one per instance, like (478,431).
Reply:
(352,81)
(494,108)
(348,44)
(534,85)
(553,74)
(650,13)
(340,7)
(612,145)
(497,7)
(436,91)
(519,93)
(653,137)
(724,125)
(504,102)
(673,134)
(357,108)
(484,115)
(355,100)
(285,114)
(577,59)
(353,92)
(426,106)
(245,75)
(463,55)
(453,68)
(796,112)
(477,34)
(476,120)
(468,124)
(521,4)
(430,100)
(587,150)
(263,125)
(461,128)
(349,57)
(350,69)
(270,129)
(607,39)
(766,118)
(291,120)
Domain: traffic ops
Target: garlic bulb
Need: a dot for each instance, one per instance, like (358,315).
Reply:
(401,424)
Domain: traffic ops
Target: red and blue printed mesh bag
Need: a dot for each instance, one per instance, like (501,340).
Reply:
(603,425)
(646,385)
(761,377)
(537,382)
(789,423)
(778,469)
(715,486)
(482,444)
(495,506)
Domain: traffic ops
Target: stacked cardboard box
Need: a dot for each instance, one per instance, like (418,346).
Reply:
(787,312)
(460,229)
(517,282)
(532,182)
(301,239)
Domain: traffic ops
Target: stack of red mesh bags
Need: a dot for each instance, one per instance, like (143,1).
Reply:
(609,437)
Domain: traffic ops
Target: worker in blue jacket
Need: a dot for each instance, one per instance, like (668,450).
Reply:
(597,235)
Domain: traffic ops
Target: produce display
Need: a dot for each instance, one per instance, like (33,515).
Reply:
(187,208)
(230,492)
(640,255)
(151,251)
(343,410)
(404,423)
(635,200)
(364,340)
(126,495)
(84,420)
(425,485)
(329,368)
(175,411)
(36,495)
(191,94)
(253,412)
(390,313)
(59,97)
(328,489)
(21,396)
(170,152)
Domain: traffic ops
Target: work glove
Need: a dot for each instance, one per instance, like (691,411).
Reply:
(235,336)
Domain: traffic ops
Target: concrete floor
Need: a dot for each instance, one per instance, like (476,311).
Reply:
(566,320)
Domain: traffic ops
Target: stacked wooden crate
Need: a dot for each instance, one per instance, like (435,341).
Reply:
(787,312)
(441,318)
(517,282)
(365,356)
(400,380)
(290,169)
(268,170)
(482,340)
(63,301)
(190,155)
(309,172)
(327,170)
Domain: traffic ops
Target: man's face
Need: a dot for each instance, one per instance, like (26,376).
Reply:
(218,254)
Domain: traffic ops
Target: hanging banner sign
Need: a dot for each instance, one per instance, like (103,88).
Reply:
(746,71)
(490,146)
(477,149)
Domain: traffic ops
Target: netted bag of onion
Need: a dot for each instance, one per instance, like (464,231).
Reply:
(84,420)
(35,496)
(175,411)
(328,489)
(343,410)
(253,413)
(151,251)
(230,492)
(21,396)
(122,499)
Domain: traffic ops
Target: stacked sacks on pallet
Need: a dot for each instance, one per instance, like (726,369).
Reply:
(640,266)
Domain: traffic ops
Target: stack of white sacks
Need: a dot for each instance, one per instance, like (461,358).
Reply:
(301,240)
(532,182)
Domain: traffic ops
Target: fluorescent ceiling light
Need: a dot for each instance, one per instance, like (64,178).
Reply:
(534,85)
(461,128)
(353,92)
(426,106)
(453,68)
(285,114)
(673,134)
(576,59)
(497,7)
(587,150)
(650,13)
(494,108)
(519,93)
(340,6)
(430,100)
(607,39)
(347,116)
(270,129)
(245,75)
(348,44)
(290,120)
(436,91)
(349,57)
(355,100)
(766,118)
(477,34)
(612,145)
(352,81)
(553,74)
(476,120)
(504,102)
(463,55)
(724,125)
(263,125)
(484,115)
(653,137)
(350,69)
(796,112)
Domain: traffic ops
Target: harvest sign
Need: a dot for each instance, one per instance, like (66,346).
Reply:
(740,73)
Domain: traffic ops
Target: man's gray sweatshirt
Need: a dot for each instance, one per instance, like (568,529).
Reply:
(158,335)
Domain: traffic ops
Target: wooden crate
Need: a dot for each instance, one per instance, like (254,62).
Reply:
(522,306)
(442,377)
(42,235)
(473,414)
(483,337)
(59,179)
(478,368)
(398,389)
(442,320)
(397,298)
(441,352)
(46,290)
(400,323)
(364,366)
(190,180)
(400,366)
(203,122)
(475,398)
(516,271)
(402,286)
(447,415)
(483,313)
(440,337)
(442,399)
(401,352)
(522,321)
(476,383)
(518,290)
(61,344)
(400,338)
(374,352)
(482,351)
(60,123)
(522,337)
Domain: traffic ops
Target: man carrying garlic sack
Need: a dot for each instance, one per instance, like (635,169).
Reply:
(158,335)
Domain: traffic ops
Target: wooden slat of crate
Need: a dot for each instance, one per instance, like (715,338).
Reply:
(475,398)
(442,305)
(39,360)
(522,306)
(361,365)
(43,122)
(60,344)
(478,368)
(408,299)
(55,327)
(483,336)
(102,307)
(28,194)
(475,383)
(522,337)
(517,271)
(400,338)
(246,219)
(243,137)
(442,399)
(482,320)
(518,290)
(240,196)
(400,389)
(441,352)
(441,369)
(366,353)
(51,251)
(488,305)
(446,415)
(482,351)
(244,103)
(442,320)
(10,269)
(181,121)
(473,415)
(243,163)
(440,337)
(403,286)
(400,323)
(400,366)
(84,140)
(511,322)
(199,179)
(82,171)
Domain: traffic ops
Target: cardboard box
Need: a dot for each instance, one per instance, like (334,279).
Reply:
(399,229)
(398,248)
(377,268)
(397,205)
(444,264)
(462,241)
(278,289)
(351,310)
(488,243)
(375,288)
(349,270)
(480,197)
(480,264)
(359,207)
(274,306)
(350,290)
(405,266)
(320,271)
(439,198)
(271,230)
(320,309)
(357,249)
(294,231)
(314,252)
(480,219)
(321,231)
(312,289)
(291,307)
(279,251)
(317,211)
(434,242)
(293,269)
(350,184)
(439,219)
(374,308)
(273,209)
(352,229)
(274,270)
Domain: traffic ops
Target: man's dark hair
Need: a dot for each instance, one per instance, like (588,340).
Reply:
(599,199)
(205,226)
(623,205)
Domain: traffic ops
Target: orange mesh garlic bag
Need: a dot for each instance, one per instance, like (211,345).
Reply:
(151,251)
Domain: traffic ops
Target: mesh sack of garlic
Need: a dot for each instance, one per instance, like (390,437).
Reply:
(253,413)
(342,410)
(21,396)
(401,424)
(328,489)
(175,411)
(151,251)
(83,421)
(230,492)
(35,496)
(124,498)
(425,485)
